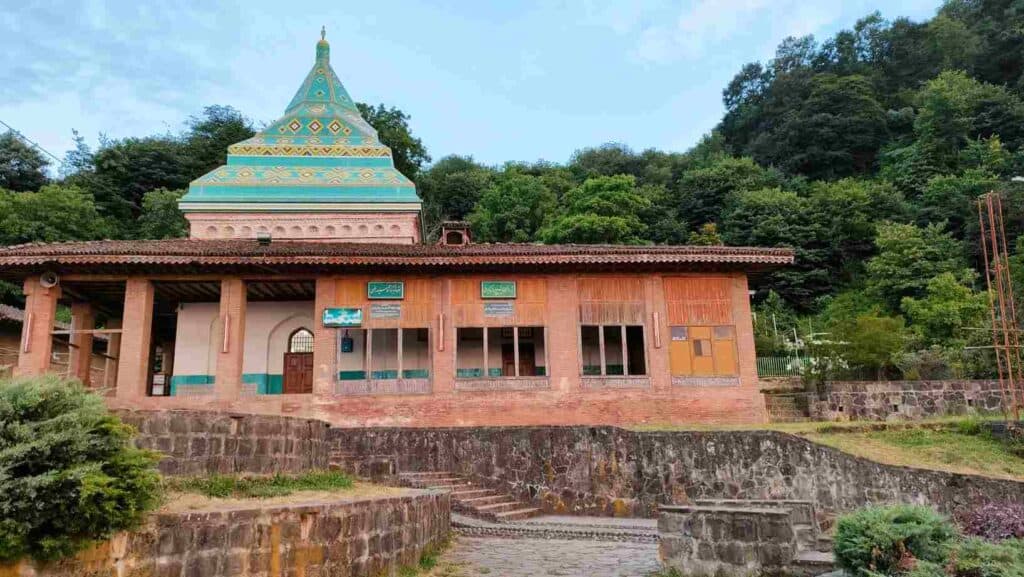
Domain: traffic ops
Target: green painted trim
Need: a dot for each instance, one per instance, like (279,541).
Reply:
(352,375)
(468,373)
(189,380)
(266,384)
(293,194)
(416,374)
(245,160)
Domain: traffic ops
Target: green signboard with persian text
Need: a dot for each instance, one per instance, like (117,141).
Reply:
(343,317)
(385,290)
(498,289)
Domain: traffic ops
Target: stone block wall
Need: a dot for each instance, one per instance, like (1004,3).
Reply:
(363,537)
(855,400)
(612,471)
(721,541)
(199,443)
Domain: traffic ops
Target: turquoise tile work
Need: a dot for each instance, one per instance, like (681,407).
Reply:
(320,151)
(178,380)
(383,375)
(265,384)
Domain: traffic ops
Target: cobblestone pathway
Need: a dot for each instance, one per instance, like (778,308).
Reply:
(502,557)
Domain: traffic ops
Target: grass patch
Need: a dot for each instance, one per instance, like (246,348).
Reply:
(428,561)
(225,486)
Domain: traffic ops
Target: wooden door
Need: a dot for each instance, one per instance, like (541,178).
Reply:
(298,373)
(527,360)
(508,360)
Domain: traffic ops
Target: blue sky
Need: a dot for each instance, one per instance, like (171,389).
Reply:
(498,80)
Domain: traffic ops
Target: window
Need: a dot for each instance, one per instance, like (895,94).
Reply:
(613,350)
(500,352)
(383,354)
(703,351)
(301,341)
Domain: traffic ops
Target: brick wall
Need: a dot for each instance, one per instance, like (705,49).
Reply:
(611,471)
(362,537)
(197,443)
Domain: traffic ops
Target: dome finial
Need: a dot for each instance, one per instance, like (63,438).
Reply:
(323,32)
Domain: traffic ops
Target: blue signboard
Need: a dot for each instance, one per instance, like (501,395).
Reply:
(343,317)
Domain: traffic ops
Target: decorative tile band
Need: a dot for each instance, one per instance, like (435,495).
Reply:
(705,381)
(383,387)
(613,382)
(503,384)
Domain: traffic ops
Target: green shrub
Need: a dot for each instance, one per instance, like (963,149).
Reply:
(888,540)
(68,473)
(976,557)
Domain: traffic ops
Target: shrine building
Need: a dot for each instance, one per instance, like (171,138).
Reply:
(305,288)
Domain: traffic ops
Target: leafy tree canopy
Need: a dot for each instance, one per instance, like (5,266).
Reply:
(22,167)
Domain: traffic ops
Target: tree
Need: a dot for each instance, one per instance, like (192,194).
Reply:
(702,192)
(512,209)
(161,217)
(947,310)
(871,342)
(950,199)
(606,160)
(706,235)
(837,131)
(602,210)
(70,475)
(22,167)
(450,189)
(773,217)
(210,134)
(392,127)
(55,213)
(908,258)
(126,170)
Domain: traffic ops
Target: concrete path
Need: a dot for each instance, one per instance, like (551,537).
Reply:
(502,557)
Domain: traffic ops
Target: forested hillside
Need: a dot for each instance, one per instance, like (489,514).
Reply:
(864,152)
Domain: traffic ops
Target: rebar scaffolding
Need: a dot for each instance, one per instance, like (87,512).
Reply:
(1002,305)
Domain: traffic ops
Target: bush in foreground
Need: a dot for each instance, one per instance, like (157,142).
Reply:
(911,541)
(888,540)
(68,473)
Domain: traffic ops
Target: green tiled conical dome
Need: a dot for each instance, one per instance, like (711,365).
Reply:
(320,151)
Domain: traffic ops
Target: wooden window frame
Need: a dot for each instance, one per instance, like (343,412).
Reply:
(515,350)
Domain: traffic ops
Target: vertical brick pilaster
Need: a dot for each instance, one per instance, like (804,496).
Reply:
(80,353)
(563,332)
(136,339)
(745,350)
(231,347)
(113,350)
(324,339)
(36,345)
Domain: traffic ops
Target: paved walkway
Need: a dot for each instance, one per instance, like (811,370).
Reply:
(550,546)
(501,557)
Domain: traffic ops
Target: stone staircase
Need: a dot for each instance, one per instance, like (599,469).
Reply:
(787,407)
(471,498)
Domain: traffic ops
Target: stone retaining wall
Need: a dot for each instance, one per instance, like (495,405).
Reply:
(855,400)
(612,471)
(719,541)
(362,537)
(197,442)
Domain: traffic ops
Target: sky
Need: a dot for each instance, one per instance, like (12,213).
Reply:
(504,80)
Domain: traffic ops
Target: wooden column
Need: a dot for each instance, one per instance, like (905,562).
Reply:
(36,345)
(113,350)
(227,380)
(80,353)
(136,339)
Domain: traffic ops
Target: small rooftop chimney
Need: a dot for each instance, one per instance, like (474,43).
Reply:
(455,233)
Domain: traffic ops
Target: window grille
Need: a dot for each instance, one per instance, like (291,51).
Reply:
(301,341)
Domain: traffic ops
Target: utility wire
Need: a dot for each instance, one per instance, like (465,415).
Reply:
(32,143)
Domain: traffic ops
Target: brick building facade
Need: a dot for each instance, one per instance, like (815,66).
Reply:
(305,289)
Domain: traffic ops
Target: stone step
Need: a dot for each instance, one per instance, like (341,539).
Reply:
(483,500)
(499,507)
(815,559)
(518,514)
(424,474)
(469,493)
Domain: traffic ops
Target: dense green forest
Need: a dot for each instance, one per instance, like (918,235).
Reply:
(864,152)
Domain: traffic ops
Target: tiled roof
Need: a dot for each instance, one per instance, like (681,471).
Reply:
(240,252)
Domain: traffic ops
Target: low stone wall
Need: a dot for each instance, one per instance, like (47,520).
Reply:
(361,537)
(855,400)
(197,442)
(721,541)
(612,471)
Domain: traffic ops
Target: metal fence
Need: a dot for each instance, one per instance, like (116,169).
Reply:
(780,366)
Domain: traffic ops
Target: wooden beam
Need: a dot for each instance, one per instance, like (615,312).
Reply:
(625,353)
(600,346)
(515,350)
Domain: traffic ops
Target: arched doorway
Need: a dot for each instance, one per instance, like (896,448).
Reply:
(298,363)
